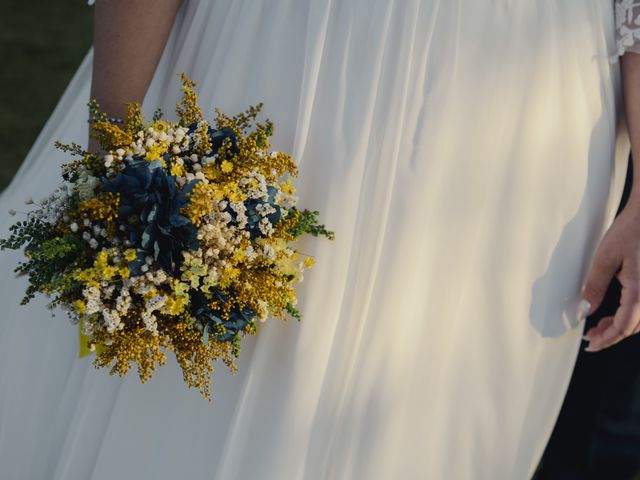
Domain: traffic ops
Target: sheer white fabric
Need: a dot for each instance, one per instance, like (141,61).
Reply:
(627,16)
(469,155)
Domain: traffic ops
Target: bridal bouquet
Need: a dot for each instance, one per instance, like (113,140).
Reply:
(177,236)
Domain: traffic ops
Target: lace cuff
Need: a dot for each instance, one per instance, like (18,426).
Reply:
(627,17)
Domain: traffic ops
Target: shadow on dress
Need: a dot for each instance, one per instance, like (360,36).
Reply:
(553,311)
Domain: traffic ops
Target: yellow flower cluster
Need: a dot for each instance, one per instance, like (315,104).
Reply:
(188,109)
(103,206)
(132,344)
(111,136)
(177,170)
(264,285)
(102,269)
(178,299)
(136,345)
(201,202)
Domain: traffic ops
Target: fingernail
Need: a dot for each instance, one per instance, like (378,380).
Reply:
(586,337)
(591,348)
(583,309)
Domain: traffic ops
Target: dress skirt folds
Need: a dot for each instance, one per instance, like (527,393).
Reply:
(469,156)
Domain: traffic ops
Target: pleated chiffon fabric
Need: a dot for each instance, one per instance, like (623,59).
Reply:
(469,156)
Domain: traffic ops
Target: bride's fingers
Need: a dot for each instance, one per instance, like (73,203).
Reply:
(625,321)
(605,265)
(597,330)
(610,335)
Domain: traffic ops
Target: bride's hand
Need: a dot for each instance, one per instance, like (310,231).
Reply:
(618,255)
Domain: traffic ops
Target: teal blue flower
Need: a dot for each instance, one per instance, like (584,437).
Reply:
(150,204)
(212,319)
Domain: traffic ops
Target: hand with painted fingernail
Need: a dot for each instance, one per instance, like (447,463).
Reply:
(617,255)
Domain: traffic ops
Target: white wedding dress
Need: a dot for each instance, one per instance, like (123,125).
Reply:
(469,156)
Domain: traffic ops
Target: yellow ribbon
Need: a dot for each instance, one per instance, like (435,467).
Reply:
(84,342)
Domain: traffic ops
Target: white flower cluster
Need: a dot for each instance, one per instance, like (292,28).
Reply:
(150,320)
(96,309)
(240,210)
(263,310)
(177,139)
(94,234)
(268,252)
(121,155)
(85,185)
(286,200)
(265,226)
(49,208)
(102,310)
(196,167)
(197,138)
(218,238)
(255,185)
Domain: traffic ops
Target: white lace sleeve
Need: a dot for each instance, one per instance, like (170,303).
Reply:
(627,17)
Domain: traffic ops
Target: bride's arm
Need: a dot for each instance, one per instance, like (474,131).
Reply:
(129,37)
(630,69)
(618,254)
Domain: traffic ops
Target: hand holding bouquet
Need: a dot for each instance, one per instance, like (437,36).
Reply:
(177,236)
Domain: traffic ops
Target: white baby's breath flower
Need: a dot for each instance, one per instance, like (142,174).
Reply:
(12,212)
(74,227)
(28,200)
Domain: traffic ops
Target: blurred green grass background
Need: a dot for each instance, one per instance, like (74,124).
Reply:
(42,43)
